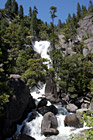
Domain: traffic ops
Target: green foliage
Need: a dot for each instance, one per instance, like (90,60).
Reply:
(35,72)
(23,58)
(4,64)
(74,73)
(70,28)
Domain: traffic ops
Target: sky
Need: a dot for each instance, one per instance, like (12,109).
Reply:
(64,7)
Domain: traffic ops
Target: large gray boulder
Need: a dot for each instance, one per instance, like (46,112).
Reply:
(49,125)
(19,103)
(74,120)
(71,108)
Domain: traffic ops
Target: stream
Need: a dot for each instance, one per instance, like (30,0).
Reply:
(33,128)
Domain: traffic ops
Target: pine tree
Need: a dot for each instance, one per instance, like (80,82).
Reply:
(84,10)
(8,5)
(21,12)
(59,23)
(53,10)
(34,21)
(30,12)
(15,7)
(90,8)
(78,11)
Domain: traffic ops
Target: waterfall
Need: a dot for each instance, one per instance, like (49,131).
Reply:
(33,128)
(42,47)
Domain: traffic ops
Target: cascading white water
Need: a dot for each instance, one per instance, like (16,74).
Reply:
(42,47)
(33,128)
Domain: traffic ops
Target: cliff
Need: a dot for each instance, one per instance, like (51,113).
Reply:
(84,32)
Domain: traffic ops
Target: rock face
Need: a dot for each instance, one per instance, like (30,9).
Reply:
(22,137)
(49,125)
(73,120)
(45,109)
(71,108)
(86,25)
(85,31)
(19,101)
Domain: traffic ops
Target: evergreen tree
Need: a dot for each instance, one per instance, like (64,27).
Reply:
(30,12)
(59,23)
(74,21)
(15,7)
(78,11)
(4,46)
(34,21)
(53,10)
(90,8)
(21,12)
(84,10)
(8,5)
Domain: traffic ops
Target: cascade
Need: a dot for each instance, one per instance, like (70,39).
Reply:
(33,128)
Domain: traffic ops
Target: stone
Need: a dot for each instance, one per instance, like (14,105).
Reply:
(22,137)
(16,108)
(71,108)
(85,105)
(49,125)
(42,103)
(91,106)
(85,30)
(25,129)
(82,110)
(74,120)
(48,87)
(33,116)
(48,139)
(45,109)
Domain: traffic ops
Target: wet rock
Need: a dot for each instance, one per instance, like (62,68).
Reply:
(22,137)
(42,103)
(45,109)
(74,120)
(33,116)
(71,108)
(25,129)
(49,125)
